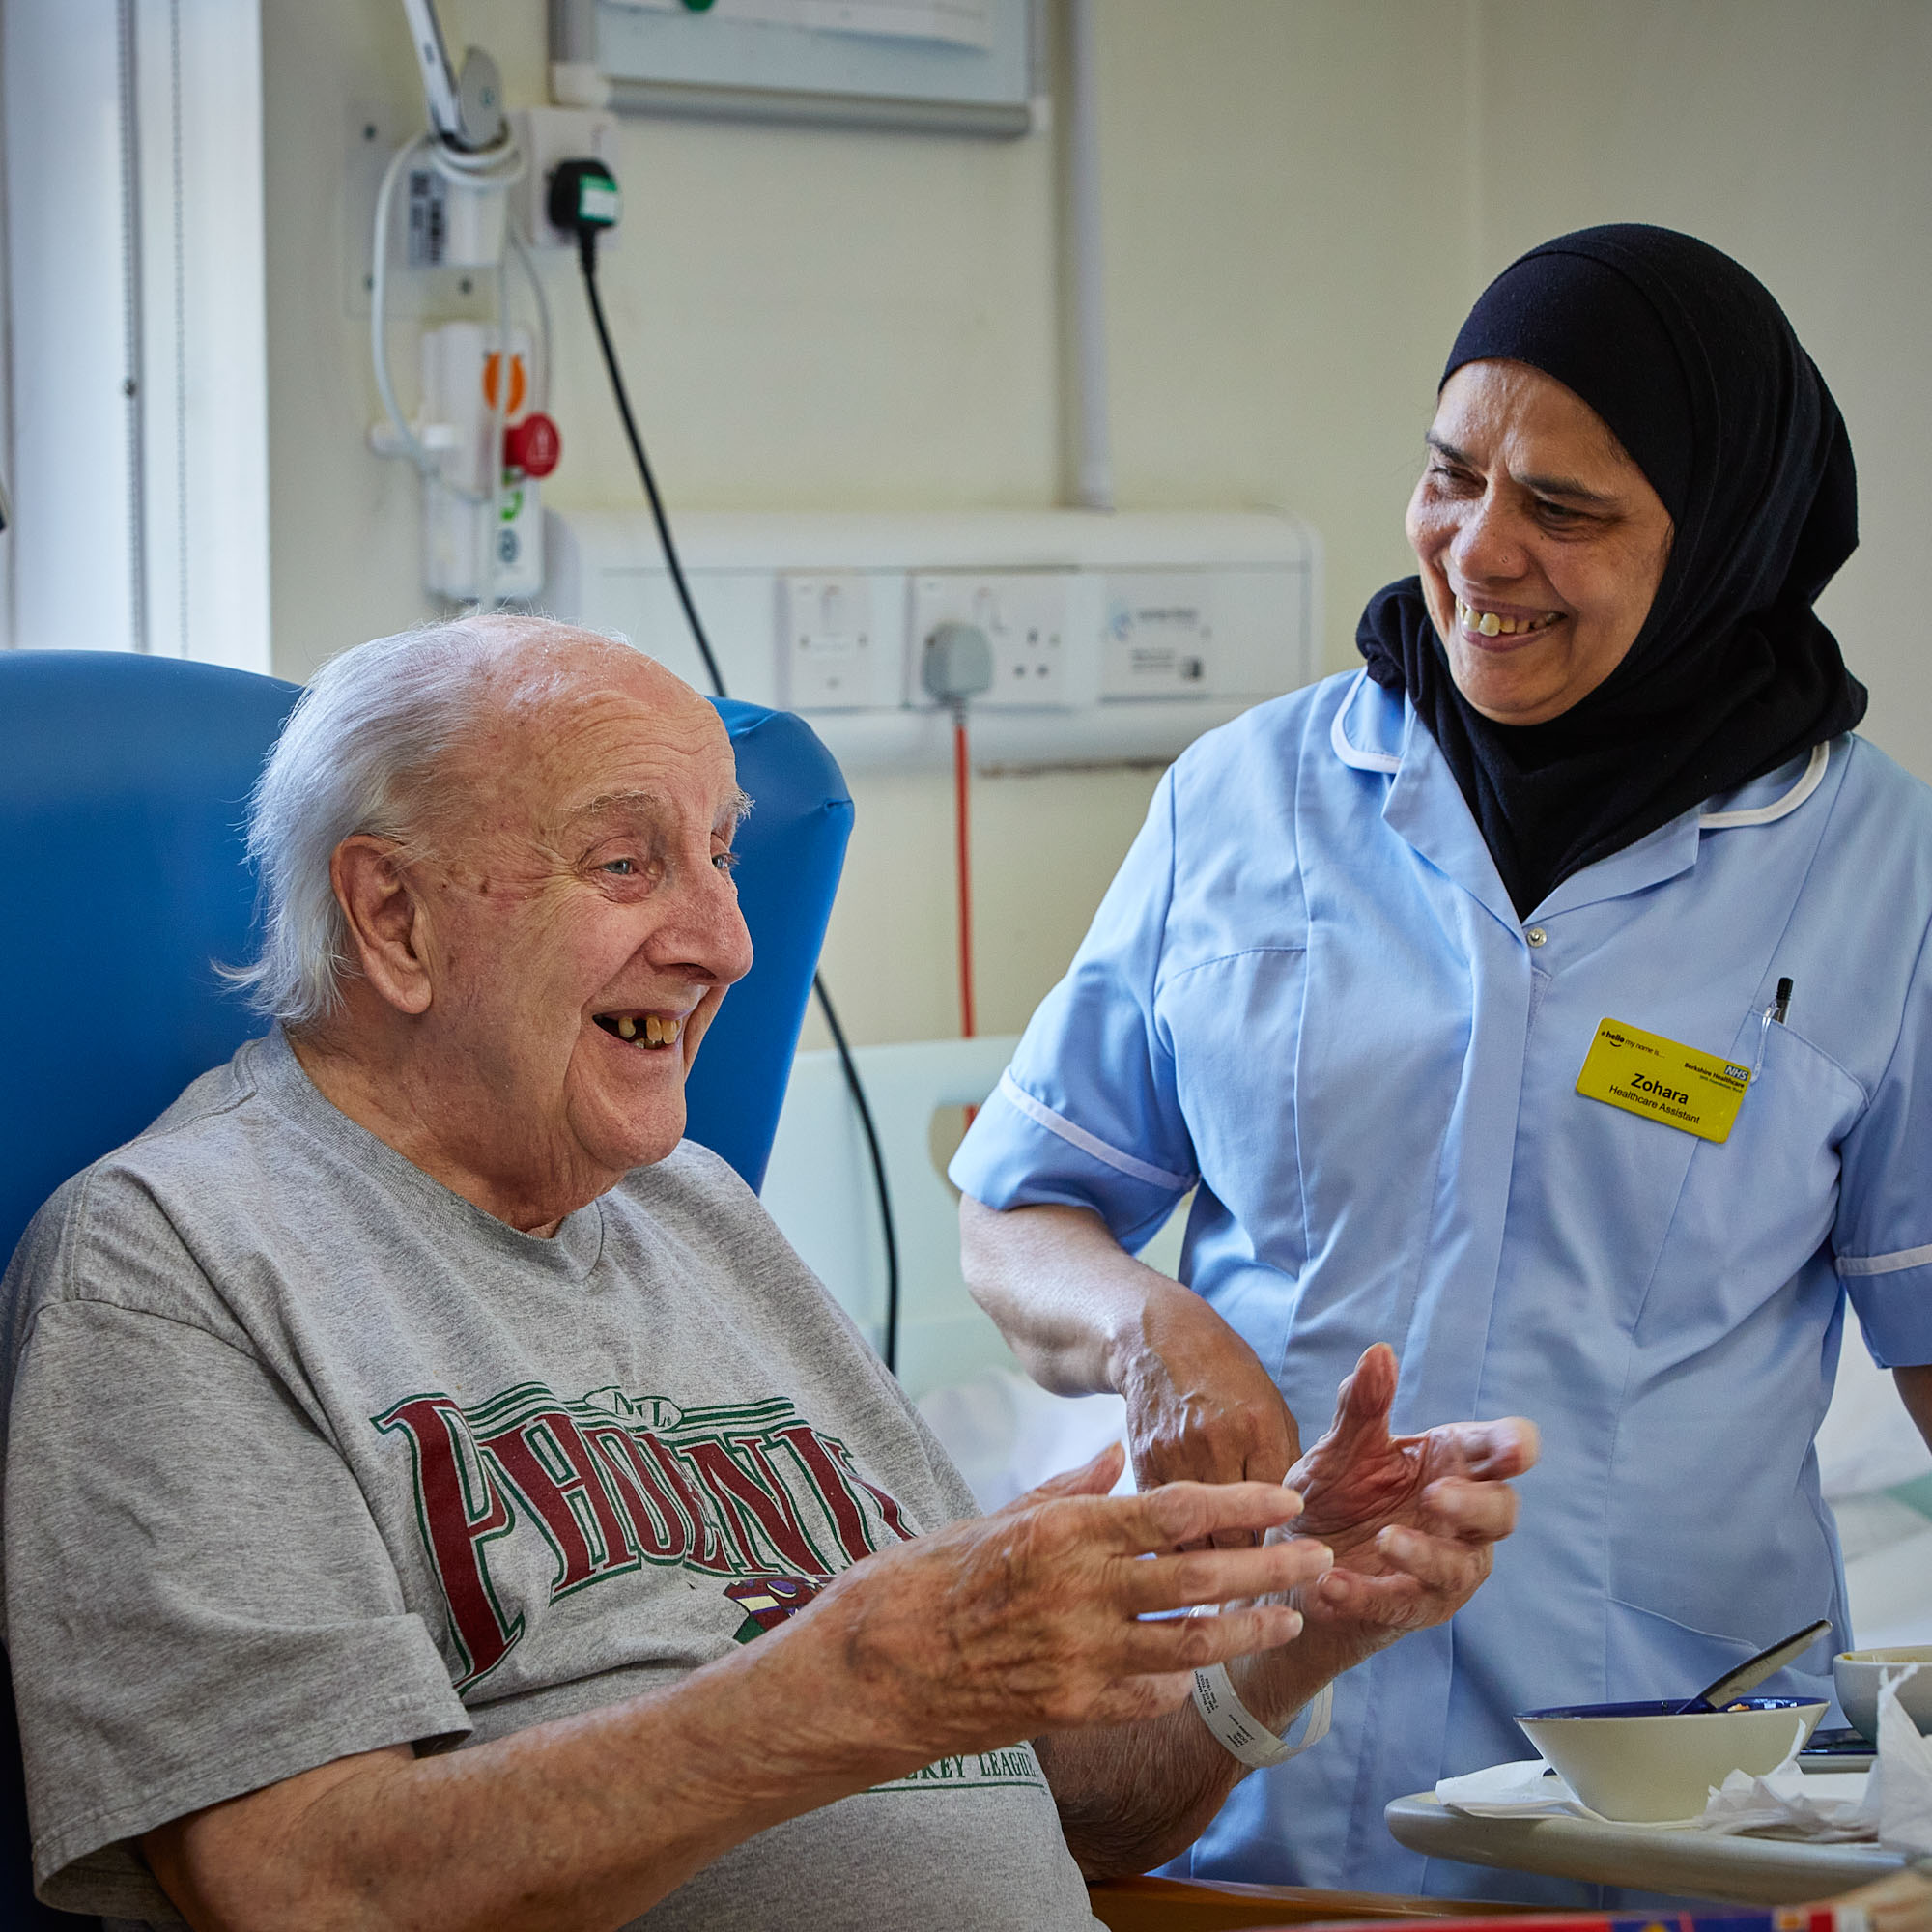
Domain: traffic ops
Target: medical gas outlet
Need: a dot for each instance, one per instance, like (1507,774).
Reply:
(480,439)
(482,540)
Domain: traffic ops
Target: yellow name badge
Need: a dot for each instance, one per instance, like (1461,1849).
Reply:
(1644,1074)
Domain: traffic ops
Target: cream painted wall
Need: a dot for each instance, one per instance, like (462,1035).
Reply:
(1302,196)
(830,319)
(1797,137)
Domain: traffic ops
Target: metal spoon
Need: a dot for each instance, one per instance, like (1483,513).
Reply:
(1747,1676)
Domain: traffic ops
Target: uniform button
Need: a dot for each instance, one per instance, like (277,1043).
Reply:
(1536,935)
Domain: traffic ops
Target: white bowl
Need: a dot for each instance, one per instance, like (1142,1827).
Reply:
(1642,1763)
(1859,1675)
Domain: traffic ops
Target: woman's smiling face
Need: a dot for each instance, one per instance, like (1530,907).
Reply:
(1540,543)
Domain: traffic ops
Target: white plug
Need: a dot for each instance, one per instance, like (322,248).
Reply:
(956,664)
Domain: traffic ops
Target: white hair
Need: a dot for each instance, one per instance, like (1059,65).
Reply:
(360,754)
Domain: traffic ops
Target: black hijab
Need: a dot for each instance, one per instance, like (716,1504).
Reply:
(1695,370)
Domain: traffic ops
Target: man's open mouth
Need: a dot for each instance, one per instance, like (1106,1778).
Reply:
(645,1030)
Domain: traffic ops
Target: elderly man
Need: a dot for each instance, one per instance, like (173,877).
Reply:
(411,1384)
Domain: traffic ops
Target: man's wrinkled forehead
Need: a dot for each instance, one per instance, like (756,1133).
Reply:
(647,811)
(623,729)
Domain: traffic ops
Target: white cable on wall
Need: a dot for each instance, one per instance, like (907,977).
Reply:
(132,381)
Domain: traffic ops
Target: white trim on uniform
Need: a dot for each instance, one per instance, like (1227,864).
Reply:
(1810,779)
(1891,1264)
(1345,749)
(1016,1095)
(1769,815)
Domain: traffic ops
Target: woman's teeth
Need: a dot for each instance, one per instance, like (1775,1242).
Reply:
(650,1031)
(1491,625)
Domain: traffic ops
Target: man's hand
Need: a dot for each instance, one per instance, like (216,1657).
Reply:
(1412,1519)
(1031,1620)
(999,1629)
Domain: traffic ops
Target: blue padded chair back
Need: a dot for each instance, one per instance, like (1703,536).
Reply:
(124,783)
(791,850)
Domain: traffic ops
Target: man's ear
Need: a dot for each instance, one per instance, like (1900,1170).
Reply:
(385,919)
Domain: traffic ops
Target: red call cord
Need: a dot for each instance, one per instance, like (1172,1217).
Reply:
(962,859)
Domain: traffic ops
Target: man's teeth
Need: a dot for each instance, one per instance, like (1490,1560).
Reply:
(650,1031)
(1491,625)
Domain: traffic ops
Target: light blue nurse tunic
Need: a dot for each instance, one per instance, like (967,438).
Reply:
(1308,996)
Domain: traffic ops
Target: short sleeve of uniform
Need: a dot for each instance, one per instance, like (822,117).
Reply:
(1883,1237)
(198,1603)
(1087,1116)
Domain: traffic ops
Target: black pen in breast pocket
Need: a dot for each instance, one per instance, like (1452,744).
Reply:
(1775,1012)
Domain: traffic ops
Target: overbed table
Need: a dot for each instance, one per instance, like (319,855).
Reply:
(1749,1870)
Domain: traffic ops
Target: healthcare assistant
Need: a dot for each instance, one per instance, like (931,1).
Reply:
(1384,978)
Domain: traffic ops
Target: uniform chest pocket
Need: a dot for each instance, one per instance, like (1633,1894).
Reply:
(1756,1209)
(1234,1027)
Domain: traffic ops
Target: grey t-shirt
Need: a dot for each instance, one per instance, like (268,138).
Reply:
(307,1456)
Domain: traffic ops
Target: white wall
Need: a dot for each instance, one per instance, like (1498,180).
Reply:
(1302,198)
(1797,137)
(862,321)
(138,448)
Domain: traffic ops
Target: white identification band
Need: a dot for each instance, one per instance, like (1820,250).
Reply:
(1242,1733)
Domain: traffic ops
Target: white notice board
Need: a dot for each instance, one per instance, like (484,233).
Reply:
(960,65)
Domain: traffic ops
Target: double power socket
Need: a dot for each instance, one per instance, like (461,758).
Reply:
(853,639)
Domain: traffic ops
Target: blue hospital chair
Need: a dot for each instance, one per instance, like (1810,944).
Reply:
(123,781)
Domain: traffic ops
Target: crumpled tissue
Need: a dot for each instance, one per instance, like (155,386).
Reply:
(1891,1803)
(1898,1789)
(1530,1789)
(1825,1805)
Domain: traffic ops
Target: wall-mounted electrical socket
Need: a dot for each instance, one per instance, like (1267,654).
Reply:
(1169,622)
(827,644)
(547,136)
(1023,613)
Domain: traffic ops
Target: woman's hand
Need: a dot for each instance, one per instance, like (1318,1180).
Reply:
(1201,1408)
(1082,1315)
(1412,1519)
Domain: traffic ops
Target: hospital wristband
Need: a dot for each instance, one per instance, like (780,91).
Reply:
(1243,1734)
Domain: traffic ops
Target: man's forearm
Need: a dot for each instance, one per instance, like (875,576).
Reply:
(1133,1796)
(579,1821)
(969,1638)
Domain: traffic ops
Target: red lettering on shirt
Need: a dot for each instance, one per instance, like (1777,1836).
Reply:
(444,1454)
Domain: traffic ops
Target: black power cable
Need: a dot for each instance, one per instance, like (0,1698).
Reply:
(890,1350)
(586,231)
(587,254)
